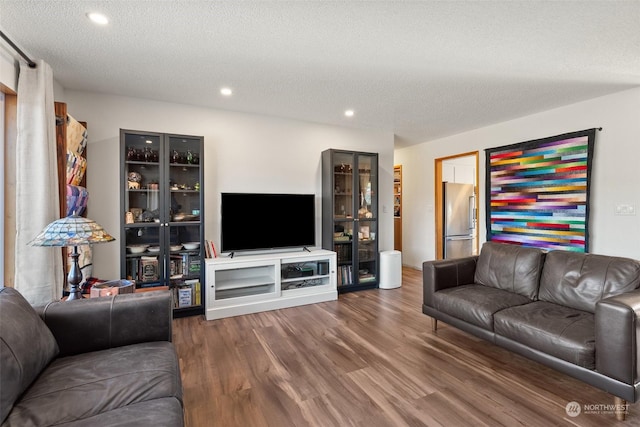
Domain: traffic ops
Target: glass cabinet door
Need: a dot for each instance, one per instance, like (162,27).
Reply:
(183,192)
(142,201)
(367,194)
(343,224)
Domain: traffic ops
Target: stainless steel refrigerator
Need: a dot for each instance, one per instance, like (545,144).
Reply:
(459,219)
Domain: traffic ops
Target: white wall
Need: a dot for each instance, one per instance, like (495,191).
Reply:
(243,152)
(615,179)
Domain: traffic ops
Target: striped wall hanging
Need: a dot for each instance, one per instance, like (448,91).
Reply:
(538,192)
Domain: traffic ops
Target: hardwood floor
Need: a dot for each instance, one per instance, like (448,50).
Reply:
(368,359)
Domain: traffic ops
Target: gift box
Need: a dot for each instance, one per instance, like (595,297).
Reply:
(112,287)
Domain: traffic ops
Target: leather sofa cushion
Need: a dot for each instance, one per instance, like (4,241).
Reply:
(165,412)
(563,332)
(476,304)
(26,347)
(513,268)
(580,280)
(89,384)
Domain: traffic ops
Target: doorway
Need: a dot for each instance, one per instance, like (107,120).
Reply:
(458,169)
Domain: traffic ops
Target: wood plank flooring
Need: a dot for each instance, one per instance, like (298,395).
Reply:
(369,359)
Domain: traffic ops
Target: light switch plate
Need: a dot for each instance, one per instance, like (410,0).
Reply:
(625,209)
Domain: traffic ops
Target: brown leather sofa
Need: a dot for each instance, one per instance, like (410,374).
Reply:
(95,362)
(577,313)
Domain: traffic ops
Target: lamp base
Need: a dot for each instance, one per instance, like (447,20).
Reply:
(75,277)
(75,292)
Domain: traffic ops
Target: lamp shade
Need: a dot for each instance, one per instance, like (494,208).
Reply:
(72,230)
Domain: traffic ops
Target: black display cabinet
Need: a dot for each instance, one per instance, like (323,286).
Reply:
(162,227)
(350,216)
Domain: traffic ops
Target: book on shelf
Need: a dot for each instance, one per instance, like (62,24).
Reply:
(345,276)
(210,249)
(187,293)
(196,292)
(184,297)
(148,268)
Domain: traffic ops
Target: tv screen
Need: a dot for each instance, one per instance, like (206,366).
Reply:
(253,221)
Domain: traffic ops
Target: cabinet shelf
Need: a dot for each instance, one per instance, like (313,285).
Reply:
(305,278)
(244,283)
(247,291)
(156,254)
(142,224)
(142,163)
(157,224)
(184,165)
(183,223)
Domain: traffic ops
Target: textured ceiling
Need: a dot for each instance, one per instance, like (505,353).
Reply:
(419,70)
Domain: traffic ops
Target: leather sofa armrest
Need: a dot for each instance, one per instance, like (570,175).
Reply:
(94,324)
(446,273)
(617,336)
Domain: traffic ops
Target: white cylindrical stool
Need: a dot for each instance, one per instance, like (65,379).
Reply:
(390,269)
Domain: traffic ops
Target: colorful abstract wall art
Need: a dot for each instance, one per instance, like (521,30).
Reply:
(538,192)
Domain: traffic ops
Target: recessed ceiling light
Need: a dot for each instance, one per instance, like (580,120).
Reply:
(98,18)
(226,91)
(148,141)
(349,113)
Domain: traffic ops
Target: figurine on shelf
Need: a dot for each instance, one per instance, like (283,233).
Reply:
(150,216)
(134,179)
(175,156)
(132,154)
(148,156)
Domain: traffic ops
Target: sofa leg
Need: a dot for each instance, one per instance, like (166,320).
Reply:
(621,407)
(434,324)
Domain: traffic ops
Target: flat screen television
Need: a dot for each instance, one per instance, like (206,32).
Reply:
(260,221)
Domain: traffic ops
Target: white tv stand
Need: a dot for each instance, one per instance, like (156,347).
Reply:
(251,283)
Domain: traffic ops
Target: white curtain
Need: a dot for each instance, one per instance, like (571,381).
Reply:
(38,269)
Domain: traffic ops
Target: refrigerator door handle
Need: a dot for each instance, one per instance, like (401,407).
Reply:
(472,212)
(452,238)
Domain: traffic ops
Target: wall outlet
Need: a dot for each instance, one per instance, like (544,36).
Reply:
(624,209)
